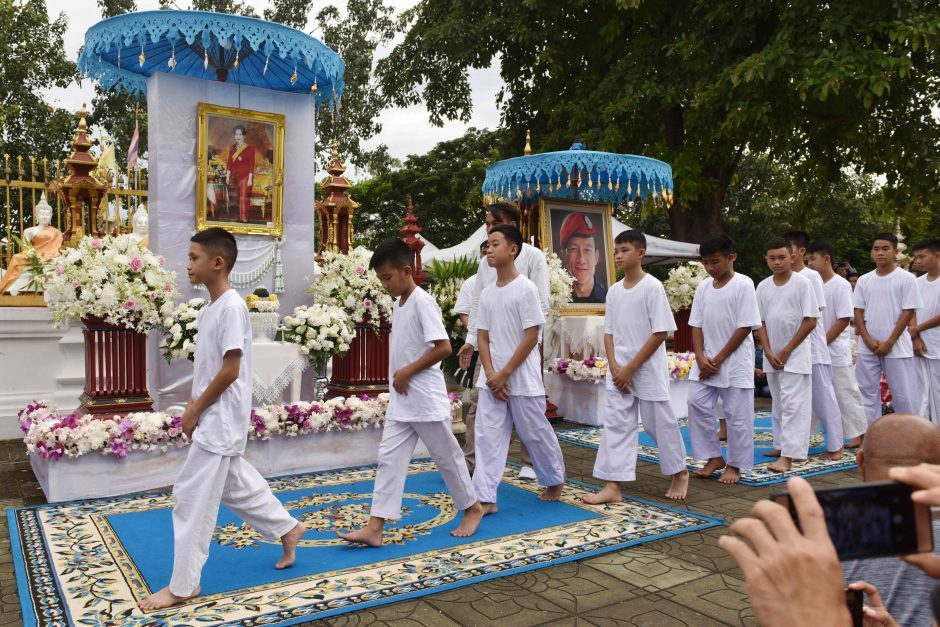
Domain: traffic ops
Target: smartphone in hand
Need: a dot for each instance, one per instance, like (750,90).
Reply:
(874,519)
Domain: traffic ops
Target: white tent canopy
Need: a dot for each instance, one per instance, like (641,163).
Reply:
(659,250)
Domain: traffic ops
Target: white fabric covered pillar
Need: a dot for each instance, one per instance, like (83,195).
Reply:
(172,103)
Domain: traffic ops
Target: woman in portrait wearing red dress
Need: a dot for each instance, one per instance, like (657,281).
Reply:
(241,167)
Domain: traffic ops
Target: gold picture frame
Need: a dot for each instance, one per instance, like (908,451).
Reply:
(240,179)
(582,221)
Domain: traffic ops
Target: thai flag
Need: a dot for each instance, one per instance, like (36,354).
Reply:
(132,150)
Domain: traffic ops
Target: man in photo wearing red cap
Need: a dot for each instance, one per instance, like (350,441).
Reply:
(580,253)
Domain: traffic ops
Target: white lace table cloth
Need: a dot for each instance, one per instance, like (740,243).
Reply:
(276,366)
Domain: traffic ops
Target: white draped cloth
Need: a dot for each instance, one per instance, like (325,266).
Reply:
(575,336)
(277,365)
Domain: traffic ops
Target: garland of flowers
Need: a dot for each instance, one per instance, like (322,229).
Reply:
(321,331)
(681,284)
(559,285)
(51,435)
(109,278)
(678,365)
(348,283)
(180,327)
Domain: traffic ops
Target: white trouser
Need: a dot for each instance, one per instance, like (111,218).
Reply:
(205,480)
(495,421)
(792,401)
(849,398)
(616,456)
(826,407)
(928,376)
(738,406)
(398,444)
(902,381)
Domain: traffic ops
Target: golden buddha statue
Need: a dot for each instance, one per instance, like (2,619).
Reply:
(44,238)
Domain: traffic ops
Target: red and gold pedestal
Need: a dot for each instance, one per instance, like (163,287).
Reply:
(364,369)
(115,369)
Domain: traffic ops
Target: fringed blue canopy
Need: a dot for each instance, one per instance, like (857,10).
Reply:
(121,52)
(600,177)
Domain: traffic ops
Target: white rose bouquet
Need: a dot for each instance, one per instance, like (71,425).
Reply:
(180,327)
(348,283)
(109,278)
(681,284)
(559,285)
(320,331)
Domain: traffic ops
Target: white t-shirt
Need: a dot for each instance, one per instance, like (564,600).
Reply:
(530,263)
(223,326)
(632,316)
(506,312)
(838,306)
(719,313)
(818,337)
(465,296)
(415,327)
(884,298)
(782,309)
(930,294)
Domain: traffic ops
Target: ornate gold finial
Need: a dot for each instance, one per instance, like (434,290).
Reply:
(335,151)
(528,143)
(82,124)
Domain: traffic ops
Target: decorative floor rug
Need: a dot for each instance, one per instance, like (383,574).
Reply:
(90,562)
(759,475)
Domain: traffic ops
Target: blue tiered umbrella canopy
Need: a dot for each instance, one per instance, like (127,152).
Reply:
(580,174)
(123,51)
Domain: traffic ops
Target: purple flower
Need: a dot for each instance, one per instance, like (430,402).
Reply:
(127,428)
(118,447)
(591,362)
(562,366)
(258,422)
(343,416)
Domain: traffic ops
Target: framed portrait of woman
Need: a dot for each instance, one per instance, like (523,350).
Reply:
(580,233)
(240,170)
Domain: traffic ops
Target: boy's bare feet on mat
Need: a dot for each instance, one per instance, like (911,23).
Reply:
(834,456)
(784,464)
(610,493)
(289,543)
(489,508)
(364,536)
(163,599)
(730,475)
(679,487)
(714,465)
(471,519)
(552,492)
(772,453)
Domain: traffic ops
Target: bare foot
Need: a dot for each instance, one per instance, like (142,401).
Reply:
(834,456)
(362,536)
(289,543)
(552,492)
(610,493)
(723,430)
(471,519)
(164,599)
(714,464)
(784,464)
(679,486)
(489,508)
(772,453)
(730,475)
(855,442)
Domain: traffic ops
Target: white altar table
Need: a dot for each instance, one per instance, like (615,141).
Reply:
(277,365)
(583,401)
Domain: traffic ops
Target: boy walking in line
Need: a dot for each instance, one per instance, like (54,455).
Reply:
(636,323)
(214,471)
(835,321)
(418,406)
(511,390)
(886,300)
(788,311)
(925,330)
(724,314)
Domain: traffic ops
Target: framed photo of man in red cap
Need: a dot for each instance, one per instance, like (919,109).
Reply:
(580,234)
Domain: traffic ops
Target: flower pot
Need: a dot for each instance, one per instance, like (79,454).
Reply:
(115,369)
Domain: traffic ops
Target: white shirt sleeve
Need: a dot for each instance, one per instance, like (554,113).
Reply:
(860,296)
(696,316)
(465,296)
(808,301)
(842,301)
(472,322)
(232,322)
(431,321)
(610,310)
(483,320)
(530,310)
(538,274)
(661,318)
(910,295)
(748,313)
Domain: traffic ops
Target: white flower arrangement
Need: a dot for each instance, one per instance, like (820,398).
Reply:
(559,285)
(681,284)
(348,283)
(593,369)
(445,293)
(320,330)
(180,326)
(109,278)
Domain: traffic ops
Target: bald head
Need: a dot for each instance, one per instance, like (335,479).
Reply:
(898,440)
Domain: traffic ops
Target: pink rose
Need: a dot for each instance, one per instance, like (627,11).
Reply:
(167,288)
(367,303)
(60,269)
(129,304)
(360,270)
(136,264)
(161,260)
(76,283)
(95,243)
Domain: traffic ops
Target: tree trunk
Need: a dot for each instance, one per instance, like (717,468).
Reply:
(701,217)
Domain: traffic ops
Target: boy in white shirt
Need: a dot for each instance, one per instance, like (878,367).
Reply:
(511,390)
(788,312)
(835,321)
(925,329)
(462,309)
(636,323)
(886,300)
(214,471)
(418,406)
(724,313)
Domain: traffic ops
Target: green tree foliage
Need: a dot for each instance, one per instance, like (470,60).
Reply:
(820,86)
(34,59)
(445,186)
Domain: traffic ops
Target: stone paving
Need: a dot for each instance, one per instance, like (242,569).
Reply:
(684,580)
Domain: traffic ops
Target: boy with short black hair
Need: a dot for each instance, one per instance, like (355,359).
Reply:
(636,323)
(835,322)
(216,419)
(788,312)
(886,300)
(511,390)
(724,314)
(418,406)
(925,329)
